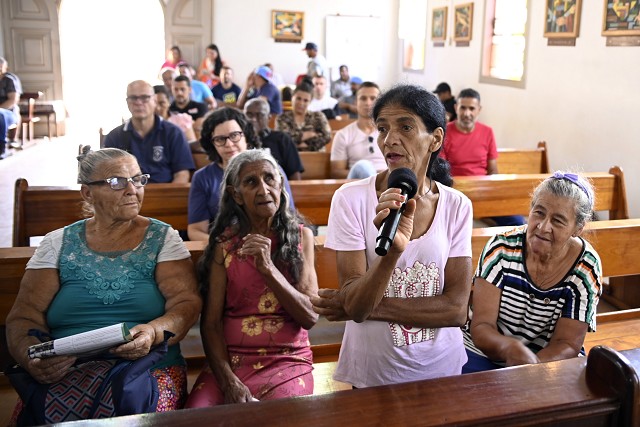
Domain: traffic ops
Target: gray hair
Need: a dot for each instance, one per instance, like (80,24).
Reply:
(90,161)
(263,104)
(579,189)
(232,171)
(3,61)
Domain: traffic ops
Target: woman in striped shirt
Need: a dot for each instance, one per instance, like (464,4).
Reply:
(536,287)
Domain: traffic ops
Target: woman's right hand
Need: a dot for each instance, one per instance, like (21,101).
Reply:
(391,199)
(51,369)
(236,392)
(518,354)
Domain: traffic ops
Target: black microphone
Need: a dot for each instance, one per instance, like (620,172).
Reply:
(406,181)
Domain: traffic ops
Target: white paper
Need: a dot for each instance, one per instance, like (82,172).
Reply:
(89,342)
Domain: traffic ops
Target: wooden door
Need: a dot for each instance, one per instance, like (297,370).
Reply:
(32,44)
(189,25)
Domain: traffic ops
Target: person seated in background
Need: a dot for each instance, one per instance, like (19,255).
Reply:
(168,75)
(354,151)
(257,274)
(276,78)
(182,120)
(321,100)
(115,266)
(470,147)
(211,66)
(279,144)
(226,92)
(342,86)
(259,85)
(404,310)
(174,56)
(183,104)
(309,130)
(225,133)
(159,146)
(537,287)
(443,90)
(200,92)
(347,104)
(10,91)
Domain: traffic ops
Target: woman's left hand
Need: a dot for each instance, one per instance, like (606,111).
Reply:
(329,304)
(259,247)
(144,336)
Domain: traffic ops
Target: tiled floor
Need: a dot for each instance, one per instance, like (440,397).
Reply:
(47,162)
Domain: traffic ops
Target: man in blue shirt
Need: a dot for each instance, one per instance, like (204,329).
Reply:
(226,91)
(259,85)
(160,147)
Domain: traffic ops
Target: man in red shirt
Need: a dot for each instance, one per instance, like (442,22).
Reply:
(470,147)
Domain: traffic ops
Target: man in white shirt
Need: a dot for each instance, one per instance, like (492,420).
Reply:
(321,100)
(354,151)
(317,65)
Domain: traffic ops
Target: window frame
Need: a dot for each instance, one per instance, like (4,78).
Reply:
(487,38)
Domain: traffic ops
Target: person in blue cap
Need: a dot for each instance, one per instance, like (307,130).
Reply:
(347,104)
(259,85)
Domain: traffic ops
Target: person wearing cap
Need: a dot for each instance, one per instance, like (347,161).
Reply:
(342,86)
(443,90)
(347,104)
(259,85)
(317,65)
(354,151)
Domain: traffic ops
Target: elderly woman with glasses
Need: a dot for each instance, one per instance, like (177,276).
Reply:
(115,266)
(225,133)
(537,287)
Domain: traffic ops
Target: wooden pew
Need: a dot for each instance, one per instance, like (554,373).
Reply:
(491,196)
(517,160)
(601,390)
(317,165)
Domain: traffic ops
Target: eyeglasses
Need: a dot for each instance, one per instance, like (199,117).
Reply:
(120,182)
(135,98)
(221,140)
(371,150)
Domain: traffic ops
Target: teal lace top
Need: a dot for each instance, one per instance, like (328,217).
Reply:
(99,289)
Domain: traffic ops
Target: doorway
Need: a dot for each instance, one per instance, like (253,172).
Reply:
(104,45)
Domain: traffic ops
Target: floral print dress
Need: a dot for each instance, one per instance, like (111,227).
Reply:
(268,351)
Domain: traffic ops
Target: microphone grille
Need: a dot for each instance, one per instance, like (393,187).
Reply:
(404,177)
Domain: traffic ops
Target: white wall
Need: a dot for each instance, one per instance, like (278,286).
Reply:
(242,31)
(582,100)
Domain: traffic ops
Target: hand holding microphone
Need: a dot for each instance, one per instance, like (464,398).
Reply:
(405,180)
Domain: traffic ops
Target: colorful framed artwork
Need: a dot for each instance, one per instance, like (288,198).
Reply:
(439,24)
(562,18)
(621,18)
(463,22)
(287,25)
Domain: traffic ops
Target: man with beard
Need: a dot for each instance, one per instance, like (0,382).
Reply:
(470,146)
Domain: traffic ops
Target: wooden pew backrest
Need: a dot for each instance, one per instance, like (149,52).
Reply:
(517,160)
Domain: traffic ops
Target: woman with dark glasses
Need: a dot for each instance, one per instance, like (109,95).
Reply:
(115,266)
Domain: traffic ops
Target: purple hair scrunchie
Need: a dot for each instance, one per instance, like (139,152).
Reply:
(576,180)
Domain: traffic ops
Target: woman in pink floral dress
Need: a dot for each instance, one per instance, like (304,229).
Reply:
(257,273)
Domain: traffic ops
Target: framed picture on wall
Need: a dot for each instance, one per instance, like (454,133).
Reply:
(439,24)
(621,18)
(463,22)
(287,26)
(562,18)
